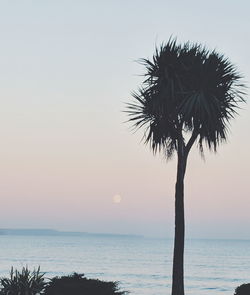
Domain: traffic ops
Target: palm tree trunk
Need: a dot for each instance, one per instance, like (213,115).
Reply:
(178,272)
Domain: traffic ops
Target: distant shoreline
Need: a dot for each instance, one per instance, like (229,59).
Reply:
(52,232)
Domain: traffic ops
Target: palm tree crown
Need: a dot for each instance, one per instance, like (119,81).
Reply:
(188,90)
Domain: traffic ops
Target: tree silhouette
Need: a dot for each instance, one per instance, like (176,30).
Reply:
(189,95)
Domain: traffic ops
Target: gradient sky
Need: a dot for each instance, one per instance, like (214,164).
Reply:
(66,70)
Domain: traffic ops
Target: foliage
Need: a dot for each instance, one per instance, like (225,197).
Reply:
(25,282)
(187,90)
(189,95)
(77,284)
(242,290)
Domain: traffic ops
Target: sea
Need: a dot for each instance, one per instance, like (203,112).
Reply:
(142,265)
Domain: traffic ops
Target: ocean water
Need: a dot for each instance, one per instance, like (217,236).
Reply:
(142,265)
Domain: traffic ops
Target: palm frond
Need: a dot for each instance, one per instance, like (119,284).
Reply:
(187,88)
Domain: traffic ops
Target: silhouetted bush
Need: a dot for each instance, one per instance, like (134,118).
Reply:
(77,284)
(25,282)
(243,290)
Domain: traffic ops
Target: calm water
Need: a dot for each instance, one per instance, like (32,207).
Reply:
(143,266)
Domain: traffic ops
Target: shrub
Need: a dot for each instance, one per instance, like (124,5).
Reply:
(242,290)
(77,284)
(25,282)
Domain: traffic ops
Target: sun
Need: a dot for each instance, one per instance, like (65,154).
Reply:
(117,199)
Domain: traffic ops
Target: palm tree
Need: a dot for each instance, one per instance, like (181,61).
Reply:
(189,95)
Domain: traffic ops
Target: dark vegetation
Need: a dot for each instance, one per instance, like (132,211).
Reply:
(243,290)
(29,282)
(25,282)
(77,284)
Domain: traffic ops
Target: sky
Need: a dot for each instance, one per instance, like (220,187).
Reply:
(68,160)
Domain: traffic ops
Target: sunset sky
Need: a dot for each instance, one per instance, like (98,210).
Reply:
(69,161)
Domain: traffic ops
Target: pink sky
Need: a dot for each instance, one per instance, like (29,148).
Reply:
(66,71)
